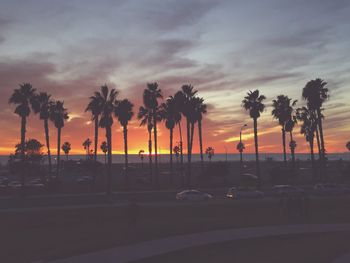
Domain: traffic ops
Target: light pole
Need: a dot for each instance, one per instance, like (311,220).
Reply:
(241,147)
(226,152)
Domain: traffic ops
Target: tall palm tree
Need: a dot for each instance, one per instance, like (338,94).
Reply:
(141,155)
(200,109)
(168,113)
(210,153)
(108,101)
(253,103)
(179,102)
(41,104)
(316,93)
(282,110)
(186,96)
(104,149)
(124,114)
(95,107)
(22,99)
(58,114)
(145,116)
(308,128)
(87,144)
(66,147)
(240,148)
(150,97)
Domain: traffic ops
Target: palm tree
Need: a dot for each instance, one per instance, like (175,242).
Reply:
(87,144)
(41,104)
(348,145)
(209,152)
(315,93)
(22,99)
(124,114)
(179,101)
(200,109)
(308,128)
(150,97)
(185,97)
(145,116)
(95,106)
(108,101)
(66,147)
(292,144)
(282,110)
(58,114)
(253,103)
(168,113)
(104,149)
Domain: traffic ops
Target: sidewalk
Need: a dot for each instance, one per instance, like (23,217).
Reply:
(156,247)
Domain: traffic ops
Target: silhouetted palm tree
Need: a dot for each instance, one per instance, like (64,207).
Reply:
(185,97)
(292,144)
(41,104)
(282,110)
(179,101)
(108,101)
(95,107)
(209,152)
(348,145)
(200,109)
(240,148)
(150,97)
(253,103)
(22,99)
(104,149)
(58,114)
(145,115)
(87,144)
(315,93)
(308,128)
(66,147)
(168,113)
(124,114)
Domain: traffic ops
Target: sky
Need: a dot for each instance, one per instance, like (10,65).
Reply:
(223,48)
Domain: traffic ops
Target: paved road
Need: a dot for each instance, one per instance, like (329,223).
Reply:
(157,247)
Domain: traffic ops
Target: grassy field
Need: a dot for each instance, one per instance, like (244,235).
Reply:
(48,234)
(311,248)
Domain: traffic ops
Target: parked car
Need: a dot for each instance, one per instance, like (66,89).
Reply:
(14,184)
(193,195)
(243,193)
(328,189)
(286,189)
(85,179)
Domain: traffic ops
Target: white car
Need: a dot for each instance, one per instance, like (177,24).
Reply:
(193,195)
(244,193)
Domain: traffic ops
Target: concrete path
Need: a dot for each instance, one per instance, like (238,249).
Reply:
(174,243)
(343,258)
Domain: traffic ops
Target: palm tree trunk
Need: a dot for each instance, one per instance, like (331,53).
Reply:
(181,156)
(318,144)
(23,141)
(58,150)
(312,155)
(323,149)
(105,158)
(47,138)
(66,156)
(292,152)
(171,157)
(95,149)
(257,151)
(155,149)
(125,131)
(201,144)
(188,152)
(109,157)
(284,147)
(150,154)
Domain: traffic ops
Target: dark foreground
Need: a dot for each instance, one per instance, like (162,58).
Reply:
(43,234)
